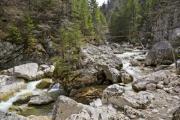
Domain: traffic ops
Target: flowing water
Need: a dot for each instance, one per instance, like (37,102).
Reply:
(126,58)
(31,87)
(135,71)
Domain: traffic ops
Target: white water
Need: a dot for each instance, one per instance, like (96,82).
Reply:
(126,57)
(31,86)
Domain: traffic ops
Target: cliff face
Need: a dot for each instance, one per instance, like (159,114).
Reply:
(164,23)
(161,21)
(47,17)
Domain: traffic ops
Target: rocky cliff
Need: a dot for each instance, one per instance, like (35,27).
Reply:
(39,20)
(164,23)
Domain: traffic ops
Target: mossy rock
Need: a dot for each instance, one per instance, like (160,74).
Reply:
(45,83)
(20,109)
(25,98)
(5,96)
(43,110)
(15,109)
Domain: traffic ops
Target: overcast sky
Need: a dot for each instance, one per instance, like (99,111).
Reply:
(101,1)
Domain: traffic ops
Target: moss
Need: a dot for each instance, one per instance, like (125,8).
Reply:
(23,98)
(45,83)
(38,110)
(6,96)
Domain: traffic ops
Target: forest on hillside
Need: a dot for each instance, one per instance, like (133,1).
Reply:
(80,60)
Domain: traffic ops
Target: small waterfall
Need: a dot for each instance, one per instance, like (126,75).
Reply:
(5,105)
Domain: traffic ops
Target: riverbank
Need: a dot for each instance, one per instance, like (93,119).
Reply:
(135,91)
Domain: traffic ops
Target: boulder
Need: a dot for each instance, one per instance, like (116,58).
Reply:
(176,114)
(102,58)
(31,71)
(78,79)
(112,91)
(100,55)
(154,78)
(161,53)
(27,71)
(60,109)
(112,74)
(42,99)
(45,83)
(78,111)
(22,99)
(116,95)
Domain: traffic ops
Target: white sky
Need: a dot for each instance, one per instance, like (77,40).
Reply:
(101,1)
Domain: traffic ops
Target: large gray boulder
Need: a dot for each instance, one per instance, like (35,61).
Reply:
(68,109)
(42,99)
(27,71)
(30,71)
(161,53)
(111,74)
(102,58)
(116,95)
(146,81)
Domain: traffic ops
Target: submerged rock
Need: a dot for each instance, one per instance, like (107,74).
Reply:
(78,79)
